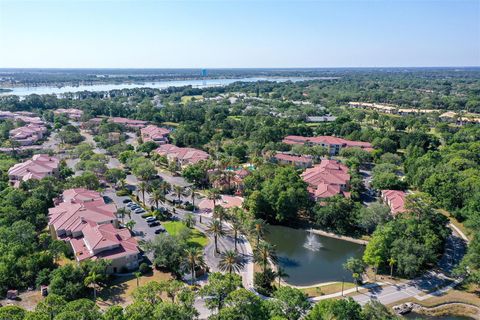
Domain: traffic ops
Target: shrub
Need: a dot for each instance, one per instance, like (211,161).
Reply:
(123,192)
(146,215)
(144,268)
(263,282)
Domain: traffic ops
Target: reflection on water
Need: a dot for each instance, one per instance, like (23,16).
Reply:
(306,266)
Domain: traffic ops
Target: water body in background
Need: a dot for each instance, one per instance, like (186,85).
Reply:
(24,91)
(307,264)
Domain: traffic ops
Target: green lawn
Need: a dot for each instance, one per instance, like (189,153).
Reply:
(186,99)
(197,238)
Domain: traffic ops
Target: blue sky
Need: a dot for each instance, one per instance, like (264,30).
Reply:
(239,33)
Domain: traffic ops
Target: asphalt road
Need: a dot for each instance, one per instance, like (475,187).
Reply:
(455,248)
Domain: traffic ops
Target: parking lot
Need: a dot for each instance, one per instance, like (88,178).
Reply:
(141,228)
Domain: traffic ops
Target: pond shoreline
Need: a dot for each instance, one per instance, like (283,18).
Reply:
(336,236)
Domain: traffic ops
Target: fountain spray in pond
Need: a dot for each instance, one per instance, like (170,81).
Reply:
(312,242)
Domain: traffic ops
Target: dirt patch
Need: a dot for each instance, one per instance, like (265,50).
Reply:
(27,300)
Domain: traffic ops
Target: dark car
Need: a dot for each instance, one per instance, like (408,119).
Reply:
(160,230)
(126,200)
(153,224)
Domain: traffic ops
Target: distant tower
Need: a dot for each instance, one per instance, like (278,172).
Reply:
(204,76)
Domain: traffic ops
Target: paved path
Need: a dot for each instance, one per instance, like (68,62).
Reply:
(421,288)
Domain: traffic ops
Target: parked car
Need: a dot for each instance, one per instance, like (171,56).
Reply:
(127,200)
(160,230)
(153,224)
(131,204)
(150,219)
(139,210)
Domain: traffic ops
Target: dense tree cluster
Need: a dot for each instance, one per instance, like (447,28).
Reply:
(276,194)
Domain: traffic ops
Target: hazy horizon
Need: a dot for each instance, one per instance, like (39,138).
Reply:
(239,34)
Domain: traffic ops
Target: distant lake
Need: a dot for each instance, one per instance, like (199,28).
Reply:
(24,91)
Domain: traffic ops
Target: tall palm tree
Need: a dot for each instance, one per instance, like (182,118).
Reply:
(391,263)
(143,187)
(214,195)
(281,274)
(192,196)
(189,220)
(155,198)
(137,276)
(219,213)
(216,230)
(122,212)
(230,261)
(264,252)
(194,258)
(92,279)
(236,229)
(259,228)
(164,188)
(122,183)
(178,191)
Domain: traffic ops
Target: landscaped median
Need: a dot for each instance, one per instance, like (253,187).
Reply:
(196,238)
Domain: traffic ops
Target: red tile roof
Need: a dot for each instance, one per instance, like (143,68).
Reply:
(293,158)
(183,155)
(395,199)
(328,140)
(326,179)
(129,122)
(154,133)
(104,241)
(79,208)
(226,202)
(39,167)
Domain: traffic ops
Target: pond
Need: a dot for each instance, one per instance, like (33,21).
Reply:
(309,259)
(414,315)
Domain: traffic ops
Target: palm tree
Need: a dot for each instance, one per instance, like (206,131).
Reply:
(122,183)
(178,191)
(236,229)
(194,258)
(164,188)
(214,195)
(189,220)
(192,196)
(230,261)
(137,276)
(356,279)
(143,187)
(215,229)
(259,228)
(391,263)
(122,212)
(219,213)
(92,279)
(155,198)
(264,252)
(281,274)
(130,224)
